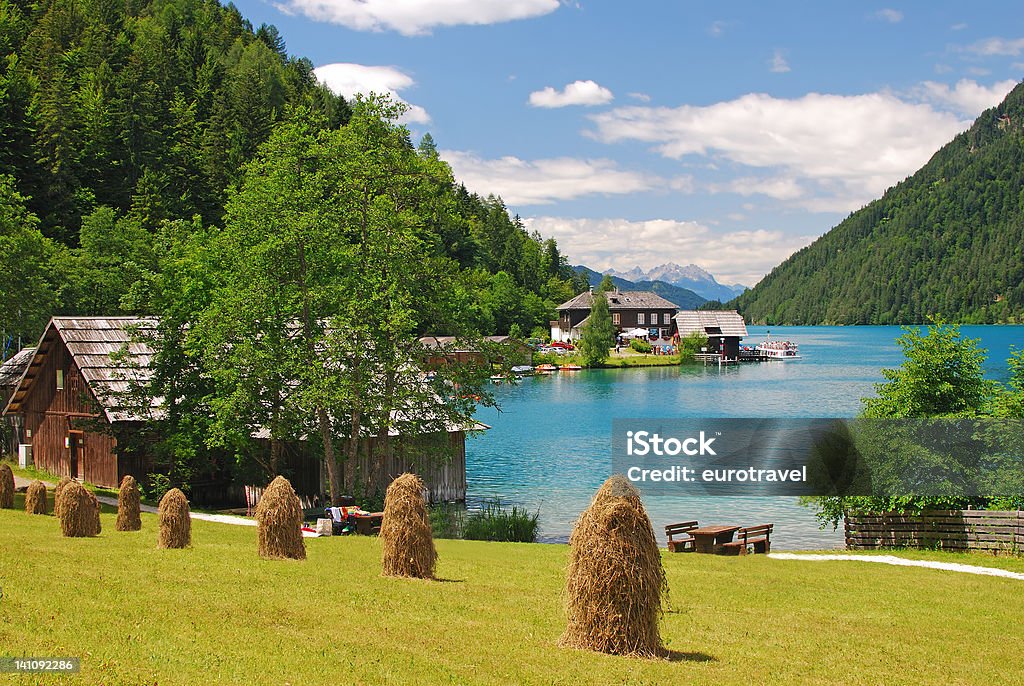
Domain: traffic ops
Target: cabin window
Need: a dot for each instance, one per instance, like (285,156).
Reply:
(666,318)
(654,317)
(640,318)
(615,318)
(60,379)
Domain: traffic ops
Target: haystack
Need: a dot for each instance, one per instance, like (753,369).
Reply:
(128,505)
(61,485)
(35,498)
(79,511)
(405,534)
(175,522)
(614,582)
(279,518)
(6,487)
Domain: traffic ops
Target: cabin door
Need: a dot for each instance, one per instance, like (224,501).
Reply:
(75,444)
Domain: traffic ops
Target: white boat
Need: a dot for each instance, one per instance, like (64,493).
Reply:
(777,350)
(522,370)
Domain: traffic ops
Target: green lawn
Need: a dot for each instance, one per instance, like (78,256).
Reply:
(216,614)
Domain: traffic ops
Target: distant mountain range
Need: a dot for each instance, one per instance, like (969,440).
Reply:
(947,241)
(690,277)
(683,298)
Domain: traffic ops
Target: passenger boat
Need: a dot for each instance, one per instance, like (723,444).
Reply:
(778,350)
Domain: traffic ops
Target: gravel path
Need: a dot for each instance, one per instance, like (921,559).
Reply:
(20,482)
(903,562)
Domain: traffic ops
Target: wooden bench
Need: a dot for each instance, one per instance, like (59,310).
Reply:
(756,537)
(679,539)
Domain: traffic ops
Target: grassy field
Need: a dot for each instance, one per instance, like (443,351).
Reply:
(216,614)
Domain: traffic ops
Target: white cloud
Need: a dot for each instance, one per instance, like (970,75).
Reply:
(415,17)
(778,63)
(576,93)
(716,29)
(966,97)
(544,181)
(642,97)
(997,46)
(736,256)
(350,79)
(958,27)
(780,188)
(844,146)
(890,15)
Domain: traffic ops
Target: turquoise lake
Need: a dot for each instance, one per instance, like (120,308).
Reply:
(549,447)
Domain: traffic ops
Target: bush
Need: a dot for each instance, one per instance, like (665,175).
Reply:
(640,345)
(493,523)
(691,345)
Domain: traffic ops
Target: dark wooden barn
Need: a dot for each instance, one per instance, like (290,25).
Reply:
(723,328)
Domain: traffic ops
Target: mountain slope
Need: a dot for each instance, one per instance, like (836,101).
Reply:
(681,297)
(946,241)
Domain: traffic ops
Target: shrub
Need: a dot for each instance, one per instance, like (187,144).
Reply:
(405,534)
(129,507)
(35,498)
(640,345)
(493,523)
(279,518)
(615,582)
(174,521)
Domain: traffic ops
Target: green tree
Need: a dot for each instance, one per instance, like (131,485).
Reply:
(606,284)
(941,376)
(25,279)
(598,333)
(327,286)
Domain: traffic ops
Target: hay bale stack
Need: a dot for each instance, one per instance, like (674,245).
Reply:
(79,511)
(61,485)
(129,505)
(6,487)
(614,581)
(174,520)
(279,518)
(35,498)
(405,533)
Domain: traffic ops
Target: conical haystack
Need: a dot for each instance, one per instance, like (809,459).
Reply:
(405,534)
(35,498)
(129,505)
(279,518)
(79,511)
(61,485)
(6,487)
(614,581)
(174,519)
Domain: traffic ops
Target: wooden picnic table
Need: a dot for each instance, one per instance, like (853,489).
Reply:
(368,524)
(707,538)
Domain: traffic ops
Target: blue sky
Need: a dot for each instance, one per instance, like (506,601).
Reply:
(644,132)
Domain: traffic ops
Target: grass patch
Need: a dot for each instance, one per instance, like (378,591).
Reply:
(216,613)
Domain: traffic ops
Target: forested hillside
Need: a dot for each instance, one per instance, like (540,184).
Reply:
(947,241)
(119,116)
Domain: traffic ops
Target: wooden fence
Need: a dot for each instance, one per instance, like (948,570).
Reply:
(955,530)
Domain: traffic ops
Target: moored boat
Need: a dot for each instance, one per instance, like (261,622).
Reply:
(570,368)
(546,368)
(778,350)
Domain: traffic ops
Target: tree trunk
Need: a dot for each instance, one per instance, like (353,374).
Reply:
(334,482)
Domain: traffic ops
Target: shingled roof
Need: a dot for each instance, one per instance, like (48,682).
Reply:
(12,370)
(711,322)
(620,300)
(92,343)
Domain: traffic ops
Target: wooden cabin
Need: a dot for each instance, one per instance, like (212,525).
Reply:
(66,399)
(629,310)
(724,329)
